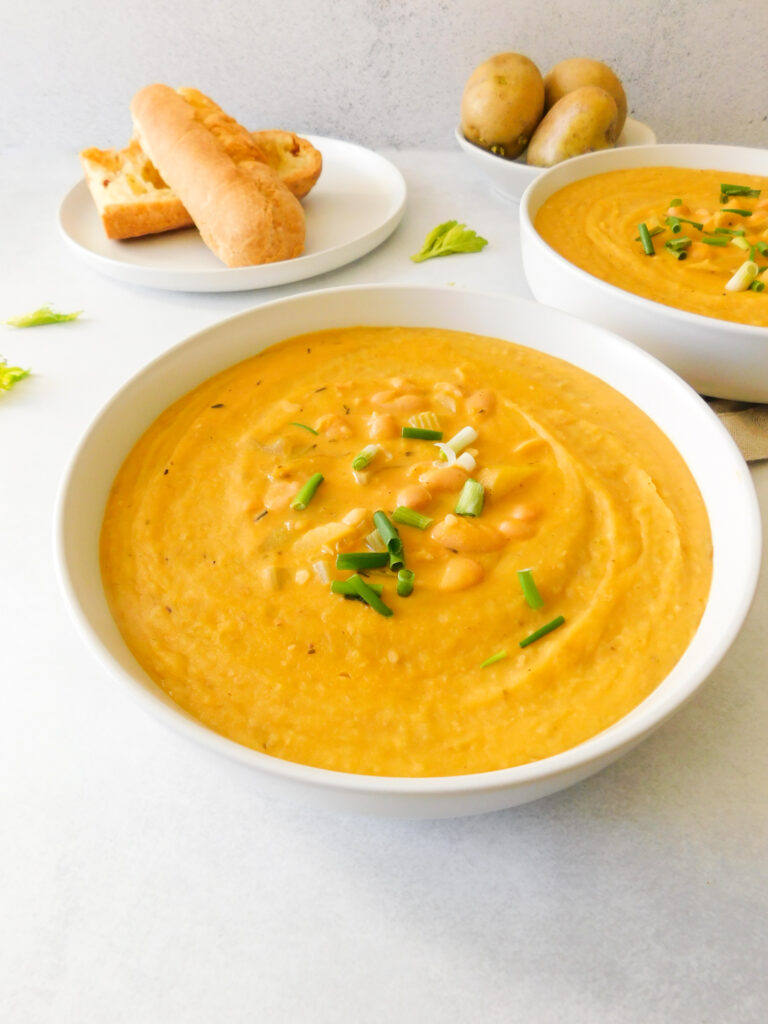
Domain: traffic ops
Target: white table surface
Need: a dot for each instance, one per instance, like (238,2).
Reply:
(144,880)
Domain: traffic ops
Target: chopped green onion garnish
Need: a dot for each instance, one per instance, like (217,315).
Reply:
(737,190)
(529,588)
(470,501)
(422,434)
(374,541)
(762,248)
(729,231)
(44,315)
(676,245)
(347,588)
(676,202)
(460,441)
(391,538)
(741,213)
(499,656)
(369,595)
(307,491)
(304,427)
(720,240)
(363,458)
(675,222)
(405,578)
(542,631)
(362,559)
(645,238)
(741,243)
(652,232)
(410,517)
(757,286)
(743,277)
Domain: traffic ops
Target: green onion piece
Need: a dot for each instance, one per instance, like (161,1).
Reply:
(743,277)
(369,595)
(741,243)
(410,517)
(405,578)
(470,501)
(529,588)
(499,656)
(694,223)
(653,232)
(645,238)
(348,589)
(542,631)
(391,538)
(365,457)
(673,223)
(362,560)
(374,541)
(304,427)
(757,286)
(676,202)
(422,434)
(307,491)
(762,248)
(678,243)
(729,231)
(460,440)
(719,240)
(737,190)
(741,213)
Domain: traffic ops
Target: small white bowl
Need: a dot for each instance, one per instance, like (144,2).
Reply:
(510,178)
(715,462)
(716,357)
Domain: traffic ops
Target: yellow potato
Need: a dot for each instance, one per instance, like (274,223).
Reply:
(502,103)
(579,71)
(582,121)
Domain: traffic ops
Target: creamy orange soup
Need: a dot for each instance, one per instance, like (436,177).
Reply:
(223,590)
(595,222)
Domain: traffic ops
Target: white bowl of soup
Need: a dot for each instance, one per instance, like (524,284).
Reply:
(678,294)
(570,542)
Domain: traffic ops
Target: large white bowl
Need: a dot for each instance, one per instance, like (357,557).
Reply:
(716,357)
(510,178)
(716,464)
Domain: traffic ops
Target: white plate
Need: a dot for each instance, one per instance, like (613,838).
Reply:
(511,177)
(356,204)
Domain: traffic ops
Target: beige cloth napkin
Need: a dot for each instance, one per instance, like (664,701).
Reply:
(747,425)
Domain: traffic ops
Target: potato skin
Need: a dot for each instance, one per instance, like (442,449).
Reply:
(582,121)
(503,101)
(578,71)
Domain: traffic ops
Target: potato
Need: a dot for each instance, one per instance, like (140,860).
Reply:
(582,121)
(502,103)
(578,71)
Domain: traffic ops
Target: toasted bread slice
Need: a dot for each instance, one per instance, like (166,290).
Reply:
(295,159)
(133,200)
(131,197)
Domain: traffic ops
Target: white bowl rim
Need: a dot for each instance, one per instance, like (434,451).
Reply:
(609,743)
(658,150)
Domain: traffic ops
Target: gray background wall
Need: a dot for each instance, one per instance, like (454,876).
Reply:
(378,72)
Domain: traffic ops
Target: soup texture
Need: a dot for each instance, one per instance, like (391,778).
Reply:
(227,594)
(700,236)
